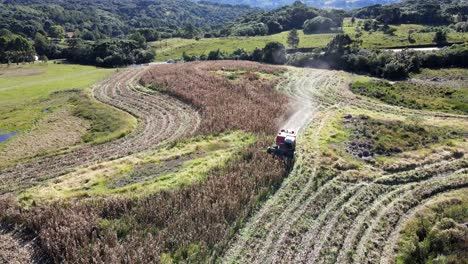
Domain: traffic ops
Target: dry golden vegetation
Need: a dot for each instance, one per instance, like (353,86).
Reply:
(192,223)
(241,99)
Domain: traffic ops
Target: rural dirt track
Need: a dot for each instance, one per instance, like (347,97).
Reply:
(338,221)
(161,119)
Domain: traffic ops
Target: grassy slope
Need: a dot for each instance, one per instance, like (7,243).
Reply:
(173,48)
(20,95)
(400,38)
(28,94)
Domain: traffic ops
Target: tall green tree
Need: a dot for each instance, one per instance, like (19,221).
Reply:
(57,31)
(440,37)
(274,53)
(140,39)
(317,25)
(293,39)
(41,44)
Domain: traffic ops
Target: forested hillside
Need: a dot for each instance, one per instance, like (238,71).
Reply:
(40,27)
(434,12)
(314,20)
(283,19)
(108,18)
(270,4)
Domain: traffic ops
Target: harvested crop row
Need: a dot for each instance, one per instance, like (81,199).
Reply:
(161,119)
(193,223)
(321,214)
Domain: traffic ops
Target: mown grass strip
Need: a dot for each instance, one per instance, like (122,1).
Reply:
(177,165)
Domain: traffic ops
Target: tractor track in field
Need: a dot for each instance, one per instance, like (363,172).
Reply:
(337,221)
(161,119)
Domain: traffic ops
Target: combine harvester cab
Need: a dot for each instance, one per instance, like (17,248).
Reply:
(285,144)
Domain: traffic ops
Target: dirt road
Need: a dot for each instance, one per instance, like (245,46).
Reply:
(311,220)
(161,119)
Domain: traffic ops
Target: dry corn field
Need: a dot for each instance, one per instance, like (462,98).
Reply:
(331,208)
(330,212)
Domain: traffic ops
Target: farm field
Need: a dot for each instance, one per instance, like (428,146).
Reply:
(192,182)
(359,175)
(377,39)
(176,151)
(21,85)
(450,95)
(175,47)
(52,101)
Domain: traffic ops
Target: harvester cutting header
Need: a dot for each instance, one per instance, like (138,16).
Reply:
(285,144)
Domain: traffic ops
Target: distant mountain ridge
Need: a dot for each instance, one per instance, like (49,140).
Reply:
(113,18)
(271,4)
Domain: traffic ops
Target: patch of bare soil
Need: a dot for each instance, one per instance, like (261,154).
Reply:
(58,130)
(19,72)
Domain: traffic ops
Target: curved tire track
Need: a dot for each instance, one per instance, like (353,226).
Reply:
(161,119)
(304,223)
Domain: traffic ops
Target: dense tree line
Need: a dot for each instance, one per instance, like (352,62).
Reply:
(428,12)
(342,4)
(106,18)
(105,53)
(110,53)
(342,53)
(283,19)
(15,48)
(272,53)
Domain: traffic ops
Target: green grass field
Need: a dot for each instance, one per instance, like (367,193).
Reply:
(416,96)
(173,48)
(400,38)
(24,87)
(33,96)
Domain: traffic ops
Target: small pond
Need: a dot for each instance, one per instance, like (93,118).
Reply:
(5,136)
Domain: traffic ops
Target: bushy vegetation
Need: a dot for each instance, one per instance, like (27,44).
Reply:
(174,48)
(268,4)
(40,27)
(272,53)
(284,19)
(370,137)
(317,25)
(370,33)
(417,12)
(453,100)
(437,233)
(15,48)
(109,53)
(343,53)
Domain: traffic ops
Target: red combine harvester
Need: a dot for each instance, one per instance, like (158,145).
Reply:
(285,144)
